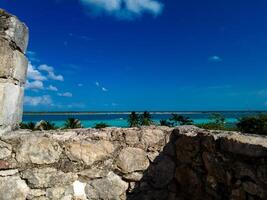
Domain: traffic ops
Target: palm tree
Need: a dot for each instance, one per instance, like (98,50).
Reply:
(146,119)
(72,123)
(133,120)
(165,122)
(181,120)
(29,125)
(100,125)
(44,125)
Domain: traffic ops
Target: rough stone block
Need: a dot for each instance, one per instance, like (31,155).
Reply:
(14,30)
(13,64)
(11,103)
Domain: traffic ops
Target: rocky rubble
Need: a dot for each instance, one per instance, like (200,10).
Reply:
(151,163)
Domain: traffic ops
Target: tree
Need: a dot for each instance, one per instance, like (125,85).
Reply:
(72,123)
(253,124)
(44,126)
(29,125)
(218,119)
(181,120)
(100,125)
(146,119)
(165,122)
(133,119)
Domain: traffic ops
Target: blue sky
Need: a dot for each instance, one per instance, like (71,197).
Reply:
(114,55)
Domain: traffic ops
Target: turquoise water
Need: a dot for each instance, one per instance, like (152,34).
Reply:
(120,120)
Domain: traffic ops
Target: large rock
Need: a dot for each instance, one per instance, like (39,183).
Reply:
(14,30)
(132,159)
(13,188)
(5,150)
(13,63)
(11,103)
(47,177)
(151,137)
(89,152)
(162,172)
(110,187)
(38,150)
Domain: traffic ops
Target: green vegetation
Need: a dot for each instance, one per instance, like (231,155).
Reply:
(101,125)
(72,123)
(134,120)
(29,125)
(165,122)
(46,125)
(254,124)
(181,120)
(146,119)
(217,122)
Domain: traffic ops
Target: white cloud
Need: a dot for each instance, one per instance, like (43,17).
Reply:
(39,100)
(97,84)
(104,89)
(215,59)
(34,85)
(52,88)
(51,74)
(34,74)
(80,85)
(66,94)
(123,9)
(32,56)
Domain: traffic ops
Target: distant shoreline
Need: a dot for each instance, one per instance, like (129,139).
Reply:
(128,112)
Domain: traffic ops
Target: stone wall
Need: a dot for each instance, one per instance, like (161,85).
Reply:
(13,68)
(153,163)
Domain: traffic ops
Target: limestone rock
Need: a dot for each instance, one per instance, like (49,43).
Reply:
(12,188)
(110,187)
(151,137)
(5,150)
(161,173)
(135,176)
(8,172)
(47,177)
(131,137)
(132,159)
(13,63)
(38,150)
(89,152)
(60,193)
(14,30)
(11,101)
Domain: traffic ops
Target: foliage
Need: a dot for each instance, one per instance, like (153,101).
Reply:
(101,125)
(72,123)
(165,122)
(48,126)
(181,120)
(146,119)
(134,119)
(29,125)
(217,119)
(253,124)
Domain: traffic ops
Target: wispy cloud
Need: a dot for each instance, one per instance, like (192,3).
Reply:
(65,94)
(32,56)
(104,89)
(123,9)
(34,74)
(80,85)
(215,59)
(52,88)
(51,73)
(38,100)
(34,85)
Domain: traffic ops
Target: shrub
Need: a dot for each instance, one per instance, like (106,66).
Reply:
(253,124)
(181,120)
(101,125)
(72,123)
(146,119)
(133,119)
(29,125)
(165,122)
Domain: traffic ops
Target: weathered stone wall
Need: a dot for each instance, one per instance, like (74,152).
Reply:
(153,163)
(13,68)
